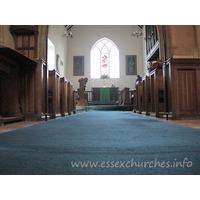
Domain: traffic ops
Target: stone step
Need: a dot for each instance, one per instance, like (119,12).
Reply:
(105,107)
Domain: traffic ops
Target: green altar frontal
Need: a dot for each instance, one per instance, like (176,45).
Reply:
(105,94)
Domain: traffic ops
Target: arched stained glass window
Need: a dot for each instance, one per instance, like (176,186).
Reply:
(104,59)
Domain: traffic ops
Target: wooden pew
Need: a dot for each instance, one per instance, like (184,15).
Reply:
(146,103)
(124,97)
(71,99)
(182,87)
(54,94)
(74,101)
(157,91)
(131,93)
(41,86)
(134,100)
(63,96)
(139,96)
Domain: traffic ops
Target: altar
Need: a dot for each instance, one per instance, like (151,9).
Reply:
(105,95)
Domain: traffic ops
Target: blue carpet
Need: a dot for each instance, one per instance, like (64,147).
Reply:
(114,142)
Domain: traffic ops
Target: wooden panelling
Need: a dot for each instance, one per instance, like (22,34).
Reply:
(114,94)
(183,87)
(95,94)
(186,90)
(25,38)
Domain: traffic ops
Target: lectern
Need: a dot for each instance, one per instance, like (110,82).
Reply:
(82,85)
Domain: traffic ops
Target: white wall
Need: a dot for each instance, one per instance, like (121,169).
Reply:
(145,71)
(51,55)
(84,37)
(60,43)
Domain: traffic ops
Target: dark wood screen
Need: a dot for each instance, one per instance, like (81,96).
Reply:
(25,37)
(25,44)
(152,43)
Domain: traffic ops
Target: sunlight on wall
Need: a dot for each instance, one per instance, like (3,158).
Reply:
(104,59)
(51,55)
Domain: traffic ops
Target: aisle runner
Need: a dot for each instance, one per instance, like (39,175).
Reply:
(101,142)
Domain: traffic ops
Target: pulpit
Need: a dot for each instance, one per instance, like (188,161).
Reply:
(81,91)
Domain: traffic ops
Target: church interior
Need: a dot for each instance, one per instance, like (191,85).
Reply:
(62,90)
(49,71)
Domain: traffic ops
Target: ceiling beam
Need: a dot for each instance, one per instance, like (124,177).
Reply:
(68,27)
